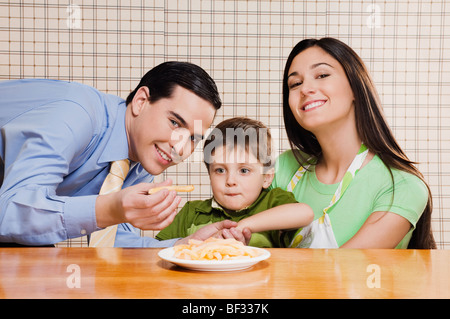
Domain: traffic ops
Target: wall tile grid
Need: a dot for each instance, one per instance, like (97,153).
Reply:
(244,45)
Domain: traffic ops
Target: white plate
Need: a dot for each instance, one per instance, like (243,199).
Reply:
(213,265)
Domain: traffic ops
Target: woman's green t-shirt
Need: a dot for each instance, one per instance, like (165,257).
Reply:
(370,191)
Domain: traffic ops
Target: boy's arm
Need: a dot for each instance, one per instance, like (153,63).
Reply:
(283,217)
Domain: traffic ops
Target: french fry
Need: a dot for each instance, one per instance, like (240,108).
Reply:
(178,188)
(214,249)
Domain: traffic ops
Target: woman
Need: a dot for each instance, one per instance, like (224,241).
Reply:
(342,145)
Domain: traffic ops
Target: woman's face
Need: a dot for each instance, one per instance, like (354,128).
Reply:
(320,95)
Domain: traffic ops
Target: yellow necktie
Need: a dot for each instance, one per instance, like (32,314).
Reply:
(113,183)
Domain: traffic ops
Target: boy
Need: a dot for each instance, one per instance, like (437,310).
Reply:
(237,156)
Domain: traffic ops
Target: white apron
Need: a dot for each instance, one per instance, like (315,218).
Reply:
(319,234)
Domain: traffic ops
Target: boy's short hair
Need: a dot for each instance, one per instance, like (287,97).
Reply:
(249,134)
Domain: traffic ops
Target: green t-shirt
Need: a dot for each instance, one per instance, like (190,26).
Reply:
(370,191)
(199,213)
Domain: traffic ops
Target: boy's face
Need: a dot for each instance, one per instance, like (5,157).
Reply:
(236,177)
(164,133)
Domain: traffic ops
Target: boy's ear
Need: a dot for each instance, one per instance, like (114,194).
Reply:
(140,98)
(268,177)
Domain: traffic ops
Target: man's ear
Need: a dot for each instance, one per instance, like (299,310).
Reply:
(268,177)
(139,100)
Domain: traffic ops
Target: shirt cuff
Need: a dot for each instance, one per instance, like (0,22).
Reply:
(79,216)
(155,243)
(129,236)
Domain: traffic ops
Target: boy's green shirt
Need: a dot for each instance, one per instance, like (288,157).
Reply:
(199,213)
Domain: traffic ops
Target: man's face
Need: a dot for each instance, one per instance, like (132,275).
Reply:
(164,133)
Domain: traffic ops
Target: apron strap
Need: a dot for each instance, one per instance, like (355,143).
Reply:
(345,182)
(324,236)
(348,176)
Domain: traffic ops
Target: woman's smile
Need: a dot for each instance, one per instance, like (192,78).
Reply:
(310,105)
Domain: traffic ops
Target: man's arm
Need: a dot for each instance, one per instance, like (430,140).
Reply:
(38,149)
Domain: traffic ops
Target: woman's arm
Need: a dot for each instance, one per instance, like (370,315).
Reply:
(287,216)
(380,230)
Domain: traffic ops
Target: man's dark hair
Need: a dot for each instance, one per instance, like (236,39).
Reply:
(162,80)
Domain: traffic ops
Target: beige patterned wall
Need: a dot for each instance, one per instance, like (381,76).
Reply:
(243,45)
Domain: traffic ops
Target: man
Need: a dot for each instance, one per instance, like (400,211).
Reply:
(59,138)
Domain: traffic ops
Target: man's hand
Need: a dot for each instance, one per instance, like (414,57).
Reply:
(133,205)
(224,229)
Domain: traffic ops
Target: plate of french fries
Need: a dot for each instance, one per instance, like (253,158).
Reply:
(214,254)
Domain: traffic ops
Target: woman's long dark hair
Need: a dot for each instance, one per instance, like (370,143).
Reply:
(371,125)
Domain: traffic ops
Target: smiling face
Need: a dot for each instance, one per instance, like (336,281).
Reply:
(237,177)
(164,133)
(320,95)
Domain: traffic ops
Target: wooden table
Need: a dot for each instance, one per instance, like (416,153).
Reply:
(288,273)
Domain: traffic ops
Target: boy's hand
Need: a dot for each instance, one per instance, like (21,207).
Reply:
(244,235)
(223,229)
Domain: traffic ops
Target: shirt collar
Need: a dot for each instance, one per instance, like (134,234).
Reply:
(116,146)
(215,205)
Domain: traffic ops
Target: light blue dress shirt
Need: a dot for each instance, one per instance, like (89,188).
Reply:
(57,140)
